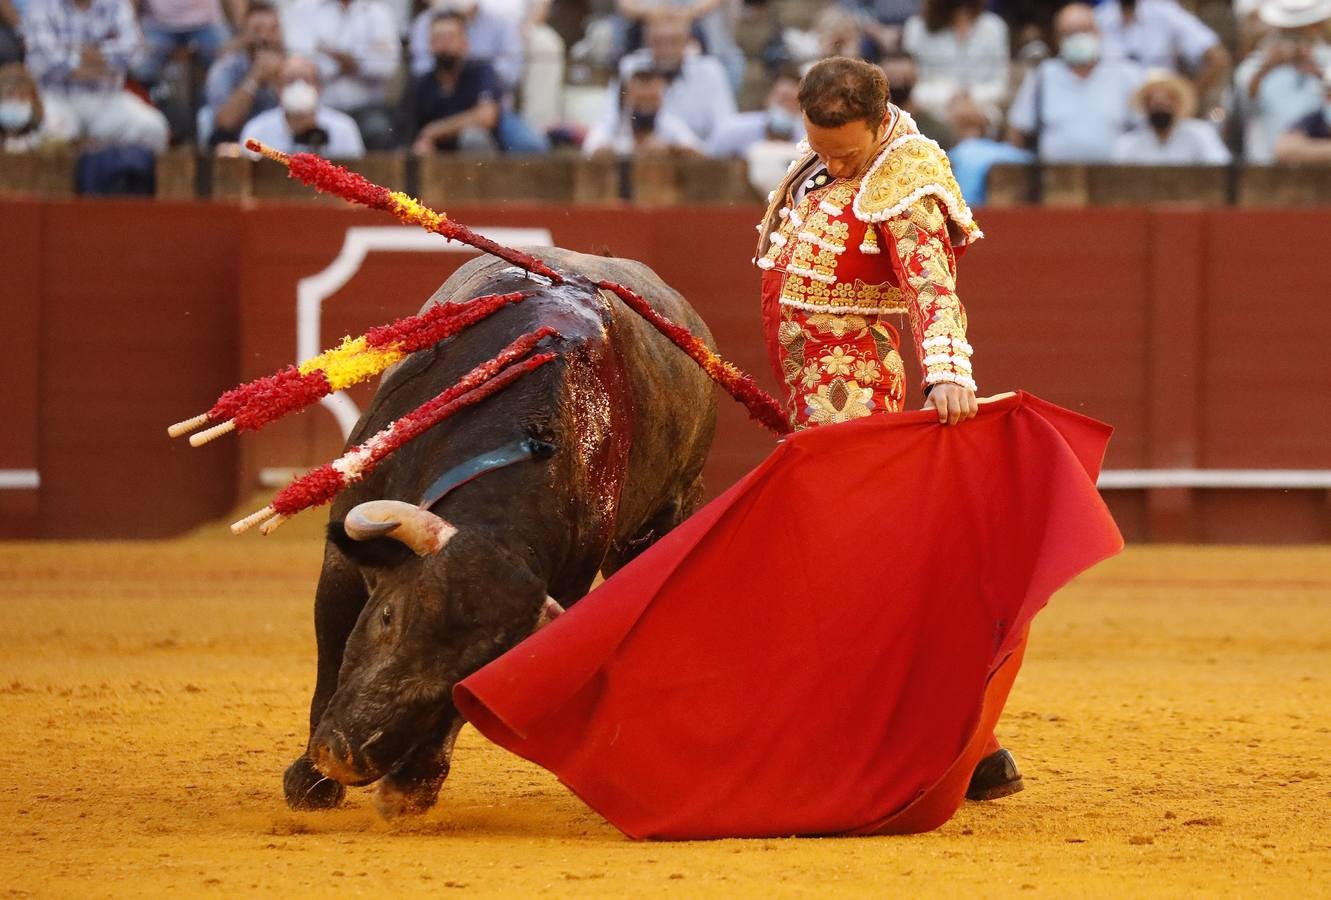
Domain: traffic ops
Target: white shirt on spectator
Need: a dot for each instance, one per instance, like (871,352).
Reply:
(1077,119)
(366,29)
(1191,142)
(741,131)
(1284,96)
(700,94)
(344,140)
(618,135)
(1162,34)
(948,66)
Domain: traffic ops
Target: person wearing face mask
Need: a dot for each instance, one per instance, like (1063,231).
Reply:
(778,120)
(1073,107)
(24,123)
(456,106)
(1171,136)
(301,122)
(244,82)
(1281,80)
(644,127)
(1308,142)
(903,73)
(697,89)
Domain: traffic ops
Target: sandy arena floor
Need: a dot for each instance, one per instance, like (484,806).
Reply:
(1172,719)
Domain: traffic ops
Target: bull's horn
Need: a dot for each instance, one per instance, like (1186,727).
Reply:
(421,530)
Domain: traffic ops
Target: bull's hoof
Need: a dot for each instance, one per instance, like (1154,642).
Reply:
(396,801)
(306,788)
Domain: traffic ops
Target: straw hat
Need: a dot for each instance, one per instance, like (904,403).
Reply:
(1182,88)
(1294,13)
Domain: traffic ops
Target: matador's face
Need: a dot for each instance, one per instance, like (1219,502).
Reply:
(846,150)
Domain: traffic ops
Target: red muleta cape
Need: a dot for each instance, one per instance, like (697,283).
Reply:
(809,653)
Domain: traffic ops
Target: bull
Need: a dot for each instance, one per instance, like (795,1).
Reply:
(573,469)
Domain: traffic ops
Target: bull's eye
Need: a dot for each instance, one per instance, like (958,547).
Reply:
(386,616)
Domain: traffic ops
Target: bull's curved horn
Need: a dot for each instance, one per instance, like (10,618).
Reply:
(421,530)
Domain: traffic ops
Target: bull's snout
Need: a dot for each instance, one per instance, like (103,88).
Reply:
(334,755)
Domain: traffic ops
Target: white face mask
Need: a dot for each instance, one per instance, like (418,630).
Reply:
(300,98)
(15,114)
(1080,49)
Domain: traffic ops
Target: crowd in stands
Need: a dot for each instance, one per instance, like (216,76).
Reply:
(1159,82)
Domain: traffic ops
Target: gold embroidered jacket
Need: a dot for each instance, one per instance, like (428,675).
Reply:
(884,242)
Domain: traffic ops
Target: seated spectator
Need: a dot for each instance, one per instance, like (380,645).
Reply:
(491,38)
(698,91)
(976,151)
(24,124)
(1073,107)
(455,107)
(496,41)
(169,25)
(79,52)
(711,20)
(356,47)
(882,20)
(244,82)
(644,125)
(780,120)
(11,32)
(541,89)
(1308,142)
(302,123)
(902,75)
(961,48)
(1161,34)
(1170,136)
(1281,81)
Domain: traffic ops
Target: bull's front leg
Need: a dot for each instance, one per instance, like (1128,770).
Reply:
(413,786)
(337,605)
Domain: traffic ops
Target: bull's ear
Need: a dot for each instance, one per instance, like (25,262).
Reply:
(379,553)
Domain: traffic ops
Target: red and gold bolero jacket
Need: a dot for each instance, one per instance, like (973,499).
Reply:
(884,242)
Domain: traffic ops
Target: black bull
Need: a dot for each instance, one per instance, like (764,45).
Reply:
(630,419)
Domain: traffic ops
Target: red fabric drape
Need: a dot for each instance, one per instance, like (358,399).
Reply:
(809,653)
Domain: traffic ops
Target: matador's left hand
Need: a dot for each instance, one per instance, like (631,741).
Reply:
(953,402)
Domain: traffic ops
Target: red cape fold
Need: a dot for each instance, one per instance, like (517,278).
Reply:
(809,653)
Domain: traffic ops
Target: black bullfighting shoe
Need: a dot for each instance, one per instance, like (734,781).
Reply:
(996,776)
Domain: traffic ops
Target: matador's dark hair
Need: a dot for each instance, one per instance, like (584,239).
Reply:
(838,90)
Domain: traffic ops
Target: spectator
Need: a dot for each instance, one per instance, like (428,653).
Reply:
(976,151)
(1073,107)
(698,91)
(169,25)
(902,75)
(644,125)
(542,86)
(1160,34)
(962,48)
(711,20)
(882,20)
(24,124)
(455,107)
(356,47)
(1308,142)
(1170,136)
(79,52)
(780,120)
(11,32)
(491,37)
(1281,81)
(302,122)
(244,82)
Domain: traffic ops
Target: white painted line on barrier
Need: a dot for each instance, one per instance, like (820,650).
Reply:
(20,479)
(1264,479)
(360,241)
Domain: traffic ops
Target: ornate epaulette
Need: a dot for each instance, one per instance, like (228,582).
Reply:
(910,168)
